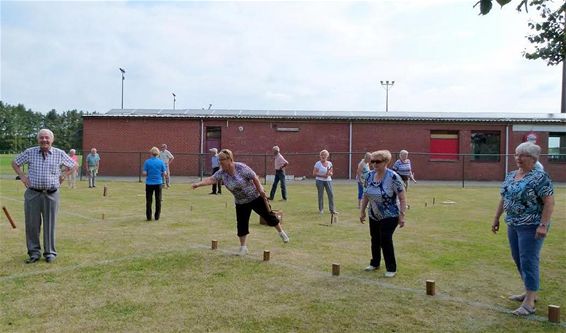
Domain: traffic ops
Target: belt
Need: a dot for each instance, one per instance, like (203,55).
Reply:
(50,191)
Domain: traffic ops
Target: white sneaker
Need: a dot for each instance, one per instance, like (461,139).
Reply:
(321,212)
(390,274)
(243,251)
(371,268)
(284,237)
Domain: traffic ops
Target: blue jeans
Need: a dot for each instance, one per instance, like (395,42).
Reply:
(322,185)
(525,250)
(279,176)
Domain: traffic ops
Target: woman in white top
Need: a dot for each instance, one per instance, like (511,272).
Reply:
(323,172)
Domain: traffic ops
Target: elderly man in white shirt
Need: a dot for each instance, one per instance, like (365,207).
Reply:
(166,156)
(280,164)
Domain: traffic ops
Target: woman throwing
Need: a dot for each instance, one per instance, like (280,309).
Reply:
(527,199)
(248,193)
(385,195)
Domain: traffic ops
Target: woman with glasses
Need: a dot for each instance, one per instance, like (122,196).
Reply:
(323,171)
(385,196)
(528,201)
(248,193)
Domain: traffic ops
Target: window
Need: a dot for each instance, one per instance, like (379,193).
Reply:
(557,147)
(444,145)
(485,145)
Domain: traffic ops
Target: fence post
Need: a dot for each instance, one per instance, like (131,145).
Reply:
(265,169)
(463,169)
(140,167)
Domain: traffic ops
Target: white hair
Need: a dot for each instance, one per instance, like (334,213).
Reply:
(45,130)
(528,148)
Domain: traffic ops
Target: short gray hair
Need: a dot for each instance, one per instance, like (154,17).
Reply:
(45,130)
(528,148)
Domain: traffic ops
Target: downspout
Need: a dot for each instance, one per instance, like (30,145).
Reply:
(506,150)
(350,153)
(201,136)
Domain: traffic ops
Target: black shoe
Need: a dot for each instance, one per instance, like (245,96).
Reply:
(213,193)
(270,199)
(31,260)
(50,259)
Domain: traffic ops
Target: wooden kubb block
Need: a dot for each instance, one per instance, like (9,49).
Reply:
(277,212)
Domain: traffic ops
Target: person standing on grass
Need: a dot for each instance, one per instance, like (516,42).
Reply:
(74,171)
(41,198)
(155,170)
(361,176)
(527,197)
(385,194)
(93,163)
(280,164)
(323,171)
(216,187)
(248,193)
(403,167)
(166,156)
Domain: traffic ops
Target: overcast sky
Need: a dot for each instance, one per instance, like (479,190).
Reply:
(272,55)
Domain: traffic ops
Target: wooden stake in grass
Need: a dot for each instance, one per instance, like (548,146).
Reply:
(430,290)
(433,200)
(335,269)
(554,313)
(266,255)
(105,192)
(9,217)
(214,244)
(333,218)
(103,216)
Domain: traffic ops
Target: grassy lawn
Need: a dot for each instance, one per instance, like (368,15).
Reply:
(122,273)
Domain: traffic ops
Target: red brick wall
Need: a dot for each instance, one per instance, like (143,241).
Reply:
(252,140)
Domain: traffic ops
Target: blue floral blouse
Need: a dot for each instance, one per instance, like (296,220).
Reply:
(383,195)
(523,199)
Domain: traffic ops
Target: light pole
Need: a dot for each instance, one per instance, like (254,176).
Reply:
(123,72)
(174,100)
(387,85)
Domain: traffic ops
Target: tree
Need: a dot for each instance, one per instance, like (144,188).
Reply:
(548,36)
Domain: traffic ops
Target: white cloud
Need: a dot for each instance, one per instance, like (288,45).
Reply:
(273,55)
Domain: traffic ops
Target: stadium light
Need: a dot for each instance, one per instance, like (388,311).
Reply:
(123,78)
(387,86)
(174,100)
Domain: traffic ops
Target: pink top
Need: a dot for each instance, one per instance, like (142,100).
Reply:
(280,162)
(76,159)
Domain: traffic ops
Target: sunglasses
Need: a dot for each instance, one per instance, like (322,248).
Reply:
(377,161)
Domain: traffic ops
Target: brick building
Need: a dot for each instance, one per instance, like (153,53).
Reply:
(471,146)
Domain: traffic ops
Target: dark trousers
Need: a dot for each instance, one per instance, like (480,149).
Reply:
(279,176)
(149,190)
(218,184)
(382,241)
(243,212)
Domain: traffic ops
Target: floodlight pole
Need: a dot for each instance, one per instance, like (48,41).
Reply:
(387,85)
(123,78)
(174,100)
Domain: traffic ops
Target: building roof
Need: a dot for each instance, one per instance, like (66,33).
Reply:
(551,118)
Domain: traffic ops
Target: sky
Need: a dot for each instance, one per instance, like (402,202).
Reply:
(272,55)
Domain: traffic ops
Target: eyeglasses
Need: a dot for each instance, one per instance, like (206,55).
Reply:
(377,161)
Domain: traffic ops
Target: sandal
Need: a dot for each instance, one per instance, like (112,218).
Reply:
(524,310)
(518,298)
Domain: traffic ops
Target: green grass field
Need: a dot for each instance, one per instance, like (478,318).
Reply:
(122,273)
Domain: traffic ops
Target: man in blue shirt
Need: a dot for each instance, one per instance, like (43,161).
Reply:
(155,170)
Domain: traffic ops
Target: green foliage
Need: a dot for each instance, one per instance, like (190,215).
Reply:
(549,39)
(19,127)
